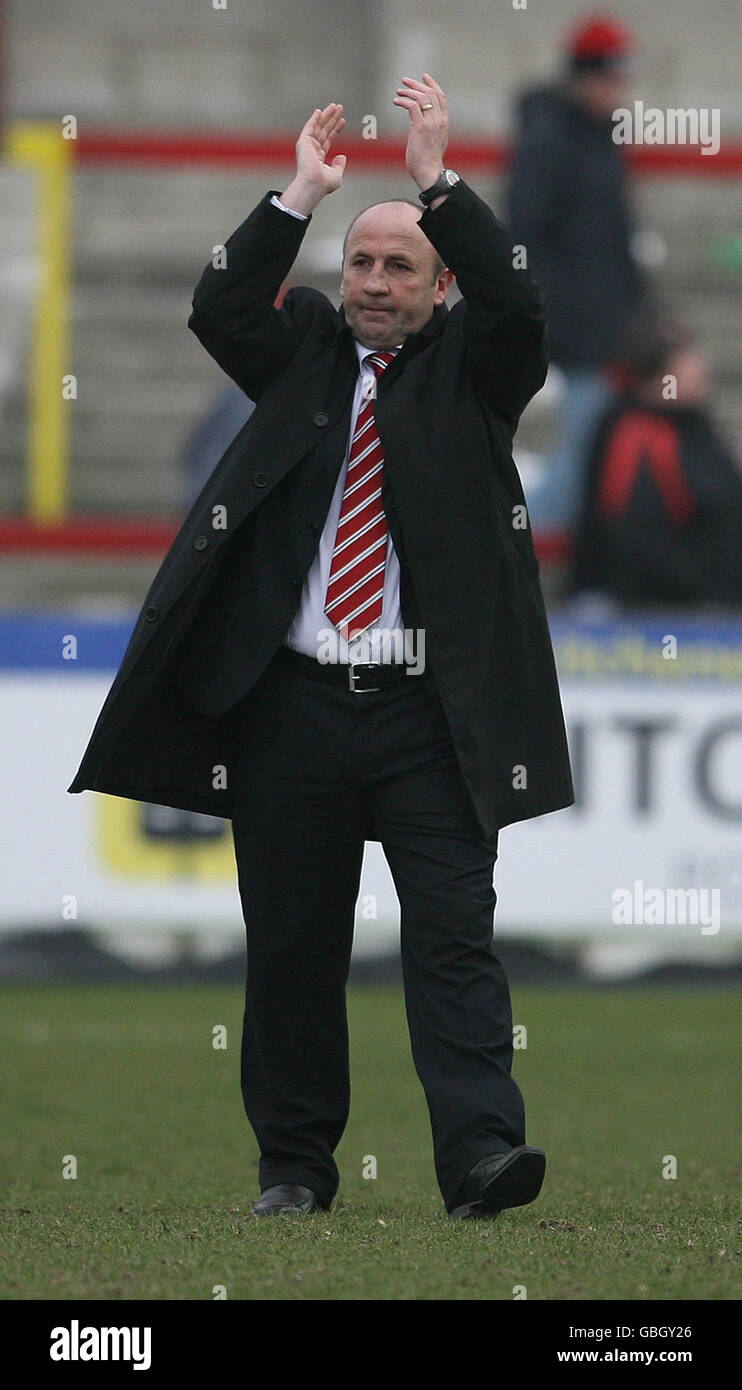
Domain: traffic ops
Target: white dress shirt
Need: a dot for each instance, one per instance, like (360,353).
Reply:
(311,631)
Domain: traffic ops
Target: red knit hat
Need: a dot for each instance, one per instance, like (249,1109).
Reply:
(599,42)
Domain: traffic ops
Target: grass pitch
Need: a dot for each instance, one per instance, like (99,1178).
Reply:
(126,1080)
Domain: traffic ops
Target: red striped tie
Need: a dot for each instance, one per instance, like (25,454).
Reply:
(355,587)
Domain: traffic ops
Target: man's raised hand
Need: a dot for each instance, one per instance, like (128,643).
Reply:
(428,136)
(314,176)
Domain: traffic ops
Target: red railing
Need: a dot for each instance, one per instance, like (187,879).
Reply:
(262,149)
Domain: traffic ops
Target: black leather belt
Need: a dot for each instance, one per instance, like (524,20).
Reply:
(358,676)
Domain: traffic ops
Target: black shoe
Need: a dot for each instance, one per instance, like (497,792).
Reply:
(287,1196)
(502,1180)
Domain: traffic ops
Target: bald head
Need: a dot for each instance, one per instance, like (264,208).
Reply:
(396,217)
(392,277)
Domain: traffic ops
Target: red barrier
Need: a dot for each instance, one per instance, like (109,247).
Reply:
(131,536)
(92,535)
(268,148)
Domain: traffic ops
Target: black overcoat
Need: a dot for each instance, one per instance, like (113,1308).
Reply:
(446,411)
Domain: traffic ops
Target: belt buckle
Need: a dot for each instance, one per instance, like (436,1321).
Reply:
(352,677)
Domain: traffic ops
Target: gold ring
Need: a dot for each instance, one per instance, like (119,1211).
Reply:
(427,107)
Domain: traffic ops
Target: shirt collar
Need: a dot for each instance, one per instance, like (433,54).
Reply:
(364,351)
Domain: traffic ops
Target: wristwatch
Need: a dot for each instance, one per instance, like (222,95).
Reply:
(446,180)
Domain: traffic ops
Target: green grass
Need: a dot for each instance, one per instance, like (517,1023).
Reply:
(125,1078)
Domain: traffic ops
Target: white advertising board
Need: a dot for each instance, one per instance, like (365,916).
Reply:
(654,843)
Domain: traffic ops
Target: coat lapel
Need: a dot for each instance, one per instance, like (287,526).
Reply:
(320,384)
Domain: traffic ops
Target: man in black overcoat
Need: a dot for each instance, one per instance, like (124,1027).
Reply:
(347,641)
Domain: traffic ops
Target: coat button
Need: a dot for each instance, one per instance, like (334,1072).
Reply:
(200,542)
(296,582)
(260,479)
(314,528)
(151,615)
(320,418)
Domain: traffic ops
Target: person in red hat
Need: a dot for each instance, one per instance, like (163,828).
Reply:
(601,55)
(569,206)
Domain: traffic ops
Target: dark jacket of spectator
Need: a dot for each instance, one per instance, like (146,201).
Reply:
(211,437)
(568,205)
(662,522)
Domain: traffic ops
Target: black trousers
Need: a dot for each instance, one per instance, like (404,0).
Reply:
(316,771)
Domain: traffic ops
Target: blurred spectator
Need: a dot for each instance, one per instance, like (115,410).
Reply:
(214,431)
(662,519)
(568,206)
(211,436)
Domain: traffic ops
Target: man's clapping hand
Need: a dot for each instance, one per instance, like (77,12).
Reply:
(315,177)
(318,173)
(428,135)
